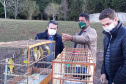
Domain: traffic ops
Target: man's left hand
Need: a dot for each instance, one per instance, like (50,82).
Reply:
(113,83)
(66,37)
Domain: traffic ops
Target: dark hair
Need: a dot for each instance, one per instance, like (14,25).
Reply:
(107,13)
(53,21)
(84,15)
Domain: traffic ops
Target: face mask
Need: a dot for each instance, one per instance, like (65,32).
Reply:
(109,28)
(82,25)
(51,32)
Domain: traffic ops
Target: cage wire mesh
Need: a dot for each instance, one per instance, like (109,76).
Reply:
(24,62)
(74,66)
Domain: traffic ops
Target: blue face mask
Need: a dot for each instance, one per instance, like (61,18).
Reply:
(82,25)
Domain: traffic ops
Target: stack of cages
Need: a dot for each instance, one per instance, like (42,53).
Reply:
(73,66)
(25,61)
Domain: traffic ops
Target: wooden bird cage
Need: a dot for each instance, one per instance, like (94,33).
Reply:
(29,64)
(73,66)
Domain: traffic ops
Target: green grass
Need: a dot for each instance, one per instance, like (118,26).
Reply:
(11,30)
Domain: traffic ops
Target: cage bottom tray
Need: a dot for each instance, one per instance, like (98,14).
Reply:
(43,78)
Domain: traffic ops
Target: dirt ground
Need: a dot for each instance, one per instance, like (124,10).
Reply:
(98,67)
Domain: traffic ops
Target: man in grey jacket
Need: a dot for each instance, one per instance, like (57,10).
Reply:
(86,37)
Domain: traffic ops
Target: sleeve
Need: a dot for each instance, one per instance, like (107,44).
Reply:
(92,36)
(103,64)
(36,37)
(61,46)
(120,76)
(103,69)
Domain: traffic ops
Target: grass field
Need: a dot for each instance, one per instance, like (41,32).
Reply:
(11,30)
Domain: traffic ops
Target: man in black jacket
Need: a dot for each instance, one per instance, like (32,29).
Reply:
(51,34)
(114,63)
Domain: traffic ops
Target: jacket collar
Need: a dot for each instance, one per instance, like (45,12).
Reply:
(114,31)
(46,34)
(87,28)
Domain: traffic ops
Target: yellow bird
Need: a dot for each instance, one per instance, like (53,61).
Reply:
(25,56)
(41,51)
(11,67)
(36,54)
(47,49)
(35,50)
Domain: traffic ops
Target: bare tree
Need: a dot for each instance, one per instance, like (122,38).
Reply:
(52,9)
(4,2)
(64,9)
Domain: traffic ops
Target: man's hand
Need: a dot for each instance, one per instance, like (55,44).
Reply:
(66,37)
(103,78)
(112,83)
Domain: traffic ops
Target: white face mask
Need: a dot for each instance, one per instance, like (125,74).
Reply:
(52,32)
(109,28)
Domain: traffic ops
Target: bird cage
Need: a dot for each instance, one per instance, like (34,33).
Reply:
(25,61)
(73,66)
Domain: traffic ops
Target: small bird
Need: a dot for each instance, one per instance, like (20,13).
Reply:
(35,49)
(25,56)
(41,51)
(22,52)
(11,67)
(47,49)
(36,54)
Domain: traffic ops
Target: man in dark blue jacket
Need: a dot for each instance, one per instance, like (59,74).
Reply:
(50,34)
(114,63)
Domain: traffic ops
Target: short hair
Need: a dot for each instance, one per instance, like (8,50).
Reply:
(84,15)
(54,22)
(107,13)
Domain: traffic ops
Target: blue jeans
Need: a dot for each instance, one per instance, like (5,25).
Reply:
(110,80)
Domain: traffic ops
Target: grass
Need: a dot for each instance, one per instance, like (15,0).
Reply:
(11,30)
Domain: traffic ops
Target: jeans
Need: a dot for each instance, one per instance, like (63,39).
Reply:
(110,80)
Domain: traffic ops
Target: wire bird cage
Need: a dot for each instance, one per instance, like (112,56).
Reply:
(25,61)
(73,66)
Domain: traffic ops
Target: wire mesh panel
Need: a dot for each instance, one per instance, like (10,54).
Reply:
(74,66)
(25,62)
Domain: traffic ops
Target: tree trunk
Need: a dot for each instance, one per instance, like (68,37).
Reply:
(41,16)
(15,14)
(30,16)
(16,9)
(5,11)
(53,17)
